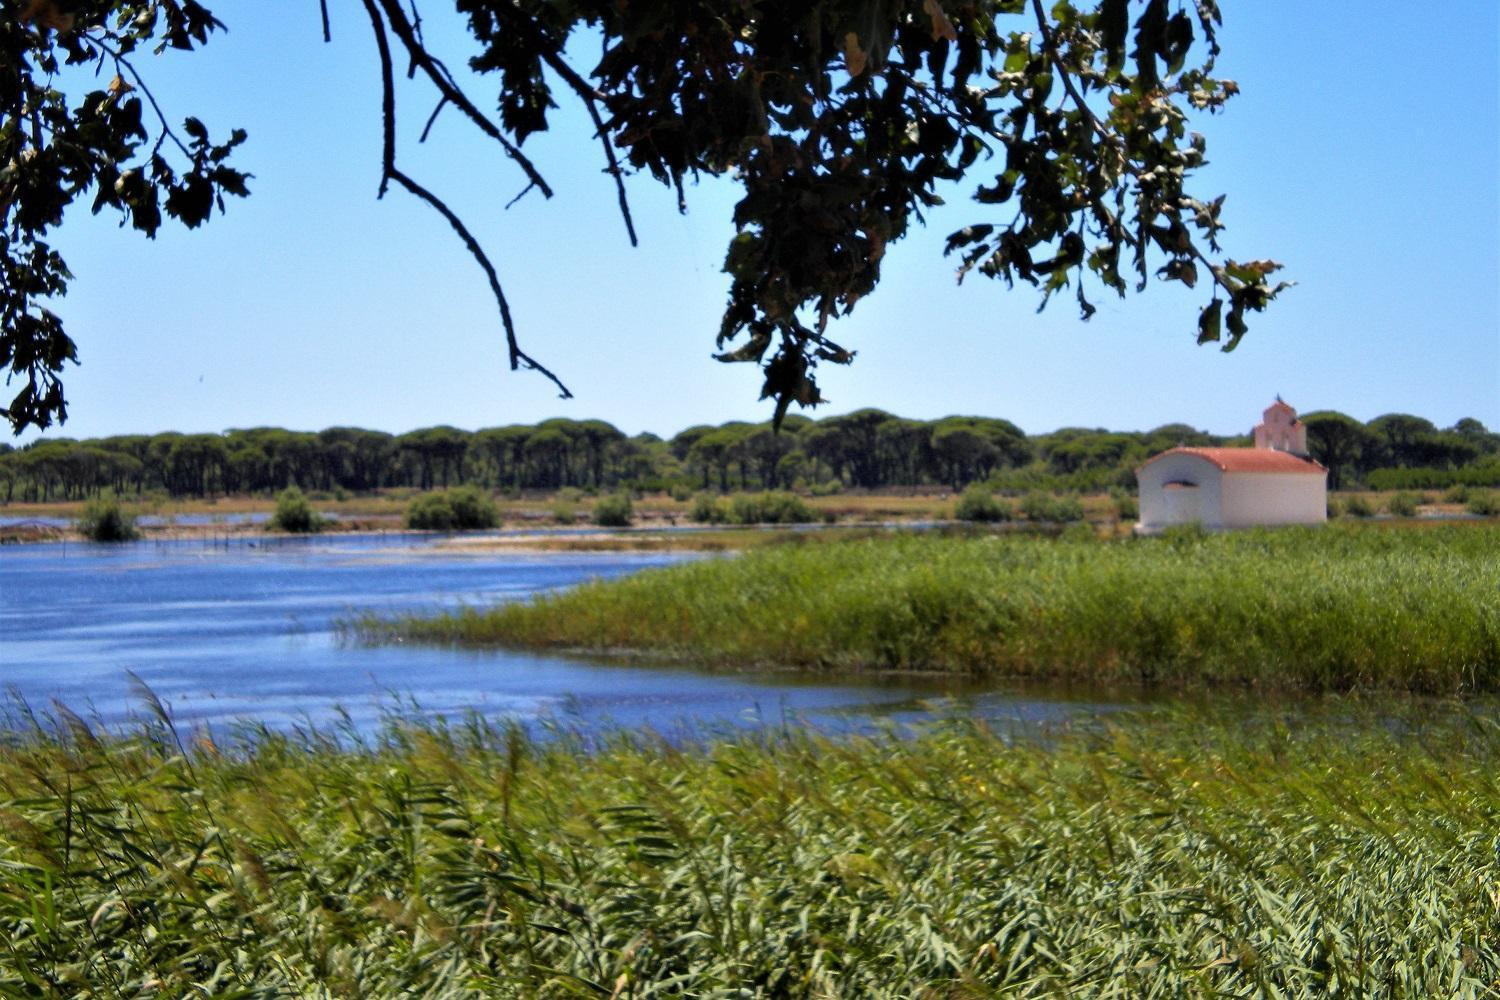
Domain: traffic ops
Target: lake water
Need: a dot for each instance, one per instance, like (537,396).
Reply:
(247,633)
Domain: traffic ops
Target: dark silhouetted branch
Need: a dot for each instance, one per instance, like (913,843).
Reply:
(389,172)
(402,28)
(590,98)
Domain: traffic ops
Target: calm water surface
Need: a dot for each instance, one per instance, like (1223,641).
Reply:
(247,633)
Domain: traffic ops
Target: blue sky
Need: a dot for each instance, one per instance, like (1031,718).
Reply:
(1362,154)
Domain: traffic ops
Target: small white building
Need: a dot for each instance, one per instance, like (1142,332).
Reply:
(1273,483)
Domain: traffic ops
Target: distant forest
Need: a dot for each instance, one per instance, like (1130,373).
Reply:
(868,449)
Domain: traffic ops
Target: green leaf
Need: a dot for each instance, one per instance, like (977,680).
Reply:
(1236,324)
(1114,24)
(1251,271)
(1209,321)
(1150,41)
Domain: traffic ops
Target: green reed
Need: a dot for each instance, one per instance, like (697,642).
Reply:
(1332,608)
(1315,851)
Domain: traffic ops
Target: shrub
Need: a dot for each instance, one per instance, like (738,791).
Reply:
(1126,506)
(569,494)
(563,513)
(294,514)
(614,511)
(472,508)
(1402,505)
(681,492)
(708,509)
(1484,504)
(1457,494)
(1335,508)
(1042,507)
(1357,506)
(104,520)
(1486,472)
(461,508)
(827,489)
(771,508)
(979,504)
(430,512)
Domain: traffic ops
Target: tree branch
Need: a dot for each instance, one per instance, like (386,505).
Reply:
(140,85)
(447,87)
(590,98)
(442,101)
(389,172)
(1049,47)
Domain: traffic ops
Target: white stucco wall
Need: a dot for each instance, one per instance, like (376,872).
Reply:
(1273,498)
(1227,499)
(1160,511)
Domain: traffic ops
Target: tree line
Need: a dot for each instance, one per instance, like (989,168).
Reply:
(867,449)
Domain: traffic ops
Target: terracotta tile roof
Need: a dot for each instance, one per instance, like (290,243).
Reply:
(1247,459)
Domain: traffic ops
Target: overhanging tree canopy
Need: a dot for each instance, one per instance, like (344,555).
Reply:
(839,118)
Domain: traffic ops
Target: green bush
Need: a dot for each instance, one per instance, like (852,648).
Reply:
(831,487)
(771,508)
(614,511)
(708,509)
(1357,506)
(458,509)
(472,508)
(979,504)
(564,513)
(1127,508)
(1484,504)
(1402,505)
(1485,472)
(105,520)
(430,512)
(294,514)
(1335,508)
(1043,507)
(681,492)
(1457,494)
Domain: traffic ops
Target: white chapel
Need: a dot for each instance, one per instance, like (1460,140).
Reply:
(1274,482)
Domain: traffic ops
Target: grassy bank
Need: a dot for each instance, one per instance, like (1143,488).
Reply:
(1334,608)
(1300,855)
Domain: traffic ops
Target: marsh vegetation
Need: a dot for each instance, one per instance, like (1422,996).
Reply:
(1322,849)
(1334,608)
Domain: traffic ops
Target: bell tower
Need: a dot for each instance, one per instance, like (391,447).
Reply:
(1280,430)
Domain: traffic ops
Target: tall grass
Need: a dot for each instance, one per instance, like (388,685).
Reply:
(1338,607)
(1316,853)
